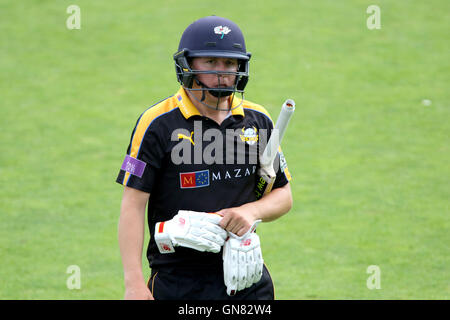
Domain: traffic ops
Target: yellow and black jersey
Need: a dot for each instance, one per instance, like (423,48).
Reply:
(188,161)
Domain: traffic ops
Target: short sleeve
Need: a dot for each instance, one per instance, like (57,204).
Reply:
(143,158)
(281,168)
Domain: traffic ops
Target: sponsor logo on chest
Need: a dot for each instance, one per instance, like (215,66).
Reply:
(203,178)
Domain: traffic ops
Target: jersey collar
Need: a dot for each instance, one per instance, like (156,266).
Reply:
(237,110)
(184,103)
(188,109)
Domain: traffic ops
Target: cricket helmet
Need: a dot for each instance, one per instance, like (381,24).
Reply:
(212,36)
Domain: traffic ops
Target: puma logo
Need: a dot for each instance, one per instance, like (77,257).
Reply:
(183,136)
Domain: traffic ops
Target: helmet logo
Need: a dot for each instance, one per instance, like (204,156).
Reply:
(223,30)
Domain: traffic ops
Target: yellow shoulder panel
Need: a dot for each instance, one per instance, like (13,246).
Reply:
(146,119)
(256,107)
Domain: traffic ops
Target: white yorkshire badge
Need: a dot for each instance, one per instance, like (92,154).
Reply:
(223,30)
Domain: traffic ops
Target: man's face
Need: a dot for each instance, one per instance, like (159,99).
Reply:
(215,64)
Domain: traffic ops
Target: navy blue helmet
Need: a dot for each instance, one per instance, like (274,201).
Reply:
(212,37)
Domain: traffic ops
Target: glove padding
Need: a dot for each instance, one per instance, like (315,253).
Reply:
(242,260)
(190,229)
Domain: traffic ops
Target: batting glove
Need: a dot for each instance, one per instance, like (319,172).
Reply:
(242,260)
(190,229)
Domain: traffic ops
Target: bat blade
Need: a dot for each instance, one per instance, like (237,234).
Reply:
(266,173)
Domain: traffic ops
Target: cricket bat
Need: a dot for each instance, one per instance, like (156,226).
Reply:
(266,174)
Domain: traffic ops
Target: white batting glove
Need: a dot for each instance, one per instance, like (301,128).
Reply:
(190,229)
(242,260)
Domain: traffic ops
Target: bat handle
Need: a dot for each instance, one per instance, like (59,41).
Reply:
(289,104)
(274,142)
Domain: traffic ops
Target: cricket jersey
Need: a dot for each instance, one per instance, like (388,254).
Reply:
(187,161)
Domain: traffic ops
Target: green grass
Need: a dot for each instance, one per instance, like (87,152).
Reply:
(369,161)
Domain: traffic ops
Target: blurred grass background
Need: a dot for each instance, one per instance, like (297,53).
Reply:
(369,160)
